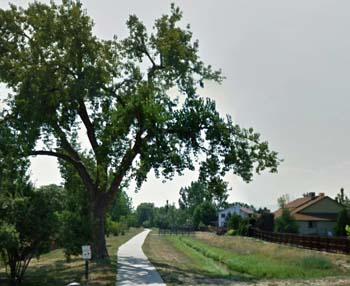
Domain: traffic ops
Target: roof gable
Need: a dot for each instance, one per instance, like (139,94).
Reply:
(318,204)
(327,205)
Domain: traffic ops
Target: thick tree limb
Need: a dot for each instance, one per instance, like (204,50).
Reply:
(65,143)
(125,164)
(84,174)
(89,128)
(149,57)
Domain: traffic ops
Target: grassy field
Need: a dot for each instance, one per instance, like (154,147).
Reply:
(221,260)
(52,268)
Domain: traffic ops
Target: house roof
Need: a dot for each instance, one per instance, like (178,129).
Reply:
(243,209)
(315,217)
(246,210)
(302,203)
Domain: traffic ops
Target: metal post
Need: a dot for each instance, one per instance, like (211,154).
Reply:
(87,272)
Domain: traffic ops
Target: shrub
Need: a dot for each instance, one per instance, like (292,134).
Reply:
(202,226)
(112,227)
(28,224)
(233,221)
(123,224)
(343,219)
(132,220)
(115,228)
(231,232)
(243,227)
(146,224)
(286,223)
(347,229)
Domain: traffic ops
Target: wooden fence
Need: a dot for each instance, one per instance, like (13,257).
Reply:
(323,243)
(176,231)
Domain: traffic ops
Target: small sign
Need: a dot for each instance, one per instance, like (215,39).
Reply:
(86,252)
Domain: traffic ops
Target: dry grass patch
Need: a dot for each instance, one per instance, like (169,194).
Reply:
(283,253)
(179,264)
(208,259)
(261,259)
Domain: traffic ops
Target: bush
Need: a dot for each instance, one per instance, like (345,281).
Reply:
(202,226)
(115,228)
(234,221)
(231,232)
(347,229)
(28,225)
(146,224)
(343,219)
(132,220)
(286,223)
(243,227)
(73,232)
(124,227)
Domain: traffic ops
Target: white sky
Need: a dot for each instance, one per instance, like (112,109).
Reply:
(287,65)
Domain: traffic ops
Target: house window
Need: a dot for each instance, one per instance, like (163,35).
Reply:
(312,224)
(223,215)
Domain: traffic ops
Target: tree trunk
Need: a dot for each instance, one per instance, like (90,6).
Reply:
(13,274)
(98,217)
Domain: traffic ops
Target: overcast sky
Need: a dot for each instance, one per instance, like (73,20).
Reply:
(287,68)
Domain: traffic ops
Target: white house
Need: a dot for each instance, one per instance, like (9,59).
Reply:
(225,214)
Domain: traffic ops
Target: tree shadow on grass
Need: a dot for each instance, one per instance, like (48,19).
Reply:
(56,274)
(60,273)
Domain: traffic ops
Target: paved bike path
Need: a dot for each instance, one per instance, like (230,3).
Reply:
(134,268)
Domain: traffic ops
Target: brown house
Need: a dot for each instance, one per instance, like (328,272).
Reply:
(314,214)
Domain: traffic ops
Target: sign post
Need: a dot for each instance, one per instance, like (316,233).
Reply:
(86,256)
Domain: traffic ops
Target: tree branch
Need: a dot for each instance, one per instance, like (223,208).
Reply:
(65,143)
(154,67)
(89,127)
(84,174)
(149,57)
(113,92)
(126,163)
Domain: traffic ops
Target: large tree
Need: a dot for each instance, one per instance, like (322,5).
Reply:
(136,98)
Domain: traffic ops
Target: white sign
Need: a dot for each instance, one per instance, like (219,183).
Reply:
(86,252)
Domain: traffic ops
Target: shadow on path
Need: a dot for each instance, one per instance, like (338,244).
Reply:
(137,271)
(133,266)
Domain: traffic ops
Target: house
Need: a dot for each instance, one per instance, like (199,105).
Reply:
(314,214)
(225,214)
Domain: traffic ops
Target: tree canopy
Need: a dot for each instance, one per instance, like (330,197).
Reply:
(136,98)
(214,191)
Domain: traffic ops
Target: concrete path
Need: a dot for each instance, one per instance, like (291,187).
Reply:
(134,269)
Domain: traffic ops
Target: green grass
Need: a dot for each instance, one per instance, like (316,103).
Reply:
(266,266)
(207,257)
(202,263)
(53,270)
(180,264)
